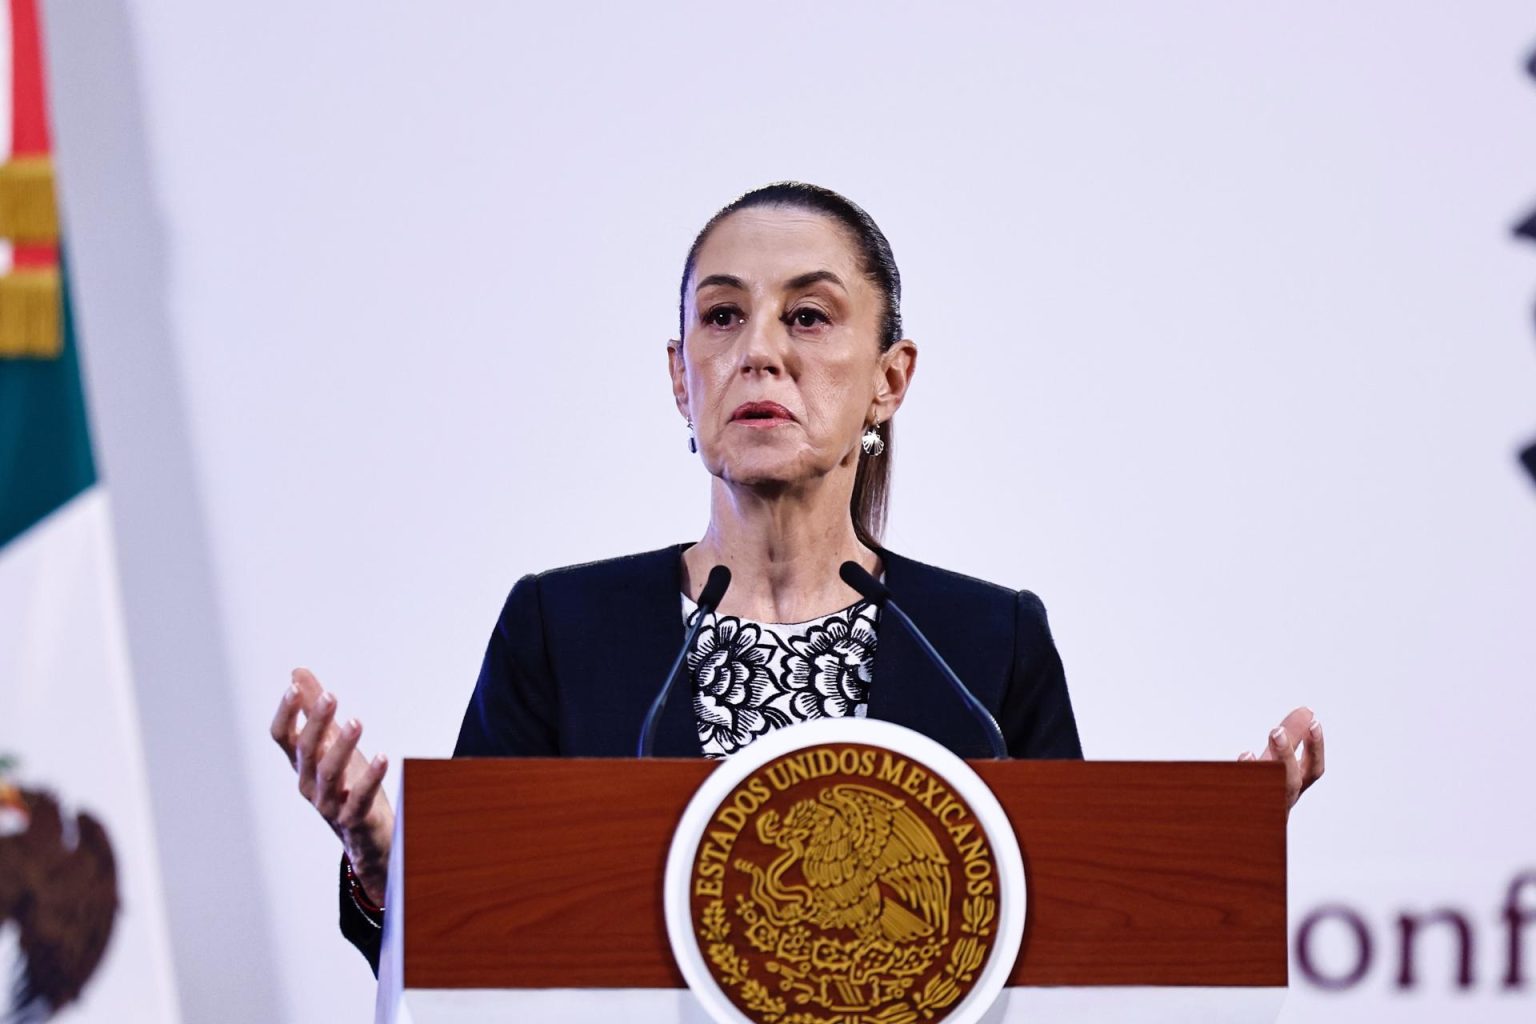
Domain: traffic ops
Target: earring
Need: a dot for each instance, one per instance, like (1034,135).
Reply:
(693,439)
(873,443)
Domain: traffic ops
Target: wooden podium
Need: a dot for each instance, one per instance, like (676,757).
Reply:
(531,889)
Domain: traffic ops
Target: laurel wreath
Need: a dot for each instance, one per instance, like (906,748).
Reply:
(966,957)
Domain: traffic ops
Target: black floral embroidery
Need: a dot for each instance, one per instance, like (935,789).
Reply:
(751,677)
(731,684)
(830,670)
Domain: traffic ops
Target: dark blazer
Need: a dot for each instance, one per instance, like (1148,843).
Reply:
(578,654)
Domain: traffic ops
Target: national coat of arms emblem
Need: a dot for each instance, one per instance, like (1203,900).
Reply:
(845,883)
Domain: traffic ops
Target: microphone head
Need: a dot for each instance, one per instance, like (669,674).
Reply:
(858,577)
(714,587)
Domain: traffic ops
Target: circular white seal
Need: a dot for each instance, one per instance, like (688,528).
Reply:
(918,772)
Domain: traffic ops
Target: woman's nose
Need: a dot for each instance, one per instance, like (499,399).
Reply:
(762,347)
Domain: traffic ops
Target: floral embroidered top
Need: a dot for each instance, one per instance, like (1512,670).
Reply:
(751,677)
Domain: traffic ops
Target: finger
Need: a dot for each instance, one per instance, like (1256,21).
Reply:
(309,689)
(1297,723)
(1281,748)
(1312,759)
(285,723)
(364,790)
(330,772)
(1246,755)
(312,737)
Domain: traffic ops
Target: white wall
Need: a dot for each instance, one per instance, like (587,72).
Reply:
(1226,352)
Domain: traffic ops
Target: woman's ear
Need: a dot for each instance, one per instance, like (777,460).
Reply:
(897,365)
(679,374)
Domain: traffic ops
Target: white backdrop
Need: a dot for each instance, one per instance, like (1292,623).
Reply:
(1225,351)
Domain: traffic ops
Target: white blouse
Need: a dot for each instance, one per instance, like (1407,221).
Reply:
(751,677)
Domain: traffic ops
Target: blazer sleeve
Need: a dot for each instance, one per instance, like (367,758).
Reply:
(513,712)
(362,929)
(1037,719)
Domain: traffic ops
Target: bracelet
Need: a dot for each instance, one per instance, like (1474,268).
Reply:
(360,895)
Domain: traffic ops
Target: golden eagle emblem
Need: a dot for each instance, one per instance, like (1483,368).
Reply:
(869,865)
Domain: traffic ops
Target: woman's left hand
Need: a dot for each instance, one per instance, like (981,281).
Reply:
(1300,729)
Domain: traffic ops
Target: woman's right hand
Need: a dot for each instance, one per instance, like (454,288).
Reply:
(342,784)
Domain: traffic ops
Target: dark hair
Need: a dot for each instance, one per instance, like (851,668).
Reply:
(872,481)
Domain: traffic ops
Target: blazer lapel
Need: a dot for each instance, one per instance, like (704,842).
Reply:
(904,678)
(901,672)
(676,733)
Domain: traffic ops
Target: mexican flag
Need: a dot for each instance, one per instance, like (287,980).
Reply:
(83,932)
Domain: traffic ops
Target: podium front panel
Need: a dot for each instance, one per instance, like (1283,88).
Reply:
(546,873)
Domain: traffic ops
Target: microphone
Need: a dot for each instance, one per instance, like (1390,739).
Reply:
(709,600)
(871,589)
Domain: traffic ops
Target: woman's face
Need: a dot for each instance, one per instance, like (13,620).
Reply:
(780,367)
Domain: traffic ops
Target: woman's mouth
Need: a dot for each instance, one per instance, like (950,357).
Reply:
(761,414)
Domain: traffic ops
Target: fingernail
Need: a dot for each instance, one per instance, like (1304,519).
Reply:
(353,726)
(1316,728)
(326,701)
(1278,736)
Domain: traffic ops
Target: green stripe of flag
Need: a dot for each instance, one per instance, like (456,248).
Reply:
(45,438)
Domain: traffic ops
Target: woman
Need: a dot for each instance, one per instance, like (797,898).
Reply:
(788,368)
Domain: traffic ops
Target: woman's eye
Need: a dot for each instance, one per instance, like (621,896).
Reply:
(808,317)
(722,316)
